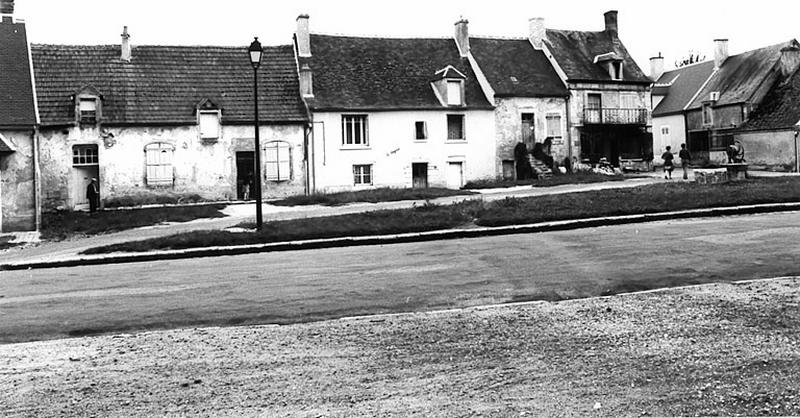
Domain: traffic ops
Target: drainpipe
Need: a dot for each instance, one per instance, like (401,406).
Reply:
(796,161)
(37,183)
(569,131)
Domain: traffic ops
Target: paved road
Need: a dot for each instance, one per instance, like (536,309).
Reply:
(308,285)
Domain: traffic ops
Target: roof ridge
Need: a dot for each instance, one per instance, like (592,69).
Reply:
(364,36)
(575,30)
(499,37)
(93,46)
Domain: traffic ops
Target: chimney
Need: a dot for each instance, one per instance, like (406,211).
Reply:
(125,54)
(537,32)
(306,82)
(462,37)
(303,36)
(720,52)
(656,67)
(611,21)
(790,60)
(7,7)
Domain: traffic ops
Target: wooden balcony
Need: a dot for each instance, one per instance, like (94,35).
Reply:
(615,116)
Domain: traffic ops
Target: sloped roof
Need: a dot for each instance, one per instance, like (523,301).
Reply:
(740,76)
(164,84)
(385,73)
(515,69)
(780,108)
(682,83)
(16,90)
(6,145)
(575,51)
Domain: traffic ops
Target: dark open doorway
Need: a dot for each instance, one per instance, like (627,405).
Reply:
(419,174)
(245,166)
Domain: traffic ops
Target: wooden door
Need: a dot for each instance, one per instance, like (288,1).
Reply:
(419,175)
(455,175)
(528,130)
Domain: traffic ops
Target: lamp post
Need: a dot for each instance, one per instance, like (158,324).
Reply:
(255,52)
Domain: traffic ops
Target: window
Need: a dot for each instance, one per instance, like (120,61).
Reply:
(454,93)
(362,174)
(84,155)
(628,101)
(158,163)
(708,115)
(616,70)
(421,129)
(665,131)
(354,130)
(209,124)
(721,142)
(455,127)
(554,126)
(88,109)
(278,161)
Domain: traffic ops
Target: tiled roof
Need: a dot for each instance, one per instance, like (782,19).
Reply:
(683,84)
(780,108)
(740,76)
(164,84)
(515,69)
(16,91)
(575,52)
(385,73)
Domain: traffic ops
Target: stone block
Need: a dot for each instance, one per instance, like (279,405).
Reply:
(710,175)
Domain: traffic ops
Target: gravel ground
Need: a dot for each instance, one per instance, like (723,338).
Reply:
(722,349)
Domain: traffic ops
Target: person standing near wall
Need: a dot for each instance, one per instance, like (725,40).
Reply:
(668,157)
(686,158)
(93,194)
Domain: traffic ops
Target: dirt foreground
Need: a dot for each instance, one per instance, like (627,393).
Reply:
(722,349)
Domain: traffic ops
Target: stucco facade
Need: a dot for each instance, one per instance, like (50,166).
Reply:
(508,125)
(393,150)
(208,168)
(770,148)
(18,183)
(668,131)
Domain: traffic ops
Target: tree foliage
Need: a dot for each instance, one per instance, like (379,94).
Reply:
(691,58)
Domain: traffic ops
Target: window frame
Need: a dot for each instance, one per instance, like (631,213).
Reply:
(95,156)
(463,127)
(547,120)
(450,92)
(359,174)
(159,147)
(349,129)
(88,117)
(280,176)
(703,108)
(423,131)
(218,133)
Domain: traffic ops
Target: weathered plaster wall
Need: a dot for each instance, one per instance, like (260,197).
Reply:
(770,148)
(508,125)
(17,184)
(208,169)
(392,148)
(676,137)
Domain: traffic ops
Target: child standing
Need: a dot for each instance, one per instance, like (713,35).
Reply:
(667,157)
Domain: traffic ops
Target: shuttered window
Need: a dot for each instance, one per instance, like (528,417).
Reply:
(278,161)
(158,162)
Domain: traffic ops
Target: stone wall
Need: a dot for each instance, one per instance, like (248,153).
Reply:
(18,184)
(508,125)
(769,148)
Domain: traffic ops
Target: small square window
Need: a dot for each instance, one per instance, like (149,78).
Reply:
(421,130)
(455,128)
(362,174)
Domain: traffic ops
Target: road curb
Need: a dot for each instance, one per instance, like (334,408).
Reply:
(399,238)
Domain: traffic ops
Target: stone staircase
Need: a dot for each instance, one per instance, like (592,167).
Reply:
(541,170)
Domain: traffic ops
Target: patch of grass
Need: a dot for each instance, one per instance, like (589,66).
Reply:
(5,242)
(384,194)
(150,198)
(422,218)
(661,197)
(62,225)
(556,180)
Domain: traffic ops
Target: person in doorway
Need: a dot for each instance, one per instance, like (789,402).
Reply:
(246,191)
(93,194)
(686,158)
(668,157)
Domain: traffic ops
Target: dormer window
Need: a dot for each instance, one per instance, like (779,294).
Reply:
(209,125)
(612,62)
(616,70)
(454,96)
(87,107)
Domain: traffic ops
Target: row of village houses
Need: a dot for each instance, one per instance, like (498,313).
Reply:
(346,112)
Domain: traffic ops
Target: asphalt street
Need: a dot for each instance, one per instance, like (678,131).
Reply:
(310,285)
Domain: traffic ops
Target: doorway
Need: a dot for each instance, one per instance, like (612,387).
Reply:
(528,130)
(85,167)
(455,175)
(419,175)
(245,166)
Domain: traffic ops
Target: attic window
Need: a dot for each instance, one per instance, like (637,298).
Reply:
(87,109)
(616,70)
(454,96)
(209,124)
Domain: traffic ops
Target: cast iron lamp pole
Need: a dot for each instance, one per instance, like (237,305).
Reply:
(255,51)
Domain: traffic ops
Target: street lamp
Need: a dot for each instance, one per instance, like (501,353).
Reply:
(255,52)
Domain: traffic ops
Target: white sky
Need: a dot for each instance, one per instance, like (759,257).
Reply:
(670,27)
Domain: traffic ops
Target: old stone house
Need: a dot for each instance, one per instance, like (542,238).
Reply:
(18,166)
(393,112)
(151,119)
(705,104)
(609,100)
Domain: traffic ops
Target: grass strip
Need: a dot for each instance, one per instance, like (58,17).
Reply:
(383,194)
(556,180)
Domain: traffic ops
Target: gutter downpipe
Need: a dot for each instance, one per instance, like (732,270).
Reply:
(569,131)
(37,179)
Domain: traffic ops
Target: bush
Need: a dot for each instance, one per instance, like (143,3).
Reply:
(383,194)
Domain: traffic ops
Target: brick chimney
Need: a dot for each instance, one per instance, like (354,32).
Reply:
(720,52)
(303,36)
(462,37)
(537,32)
(7,7)
(125,48)
(790,60)
(656,67)
(611,21)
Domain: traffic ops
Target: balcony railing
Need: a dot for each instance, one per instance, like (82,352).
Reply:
(614,116)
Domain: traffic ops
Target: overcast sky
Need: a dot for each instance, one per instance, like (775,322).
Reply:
(670,27)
